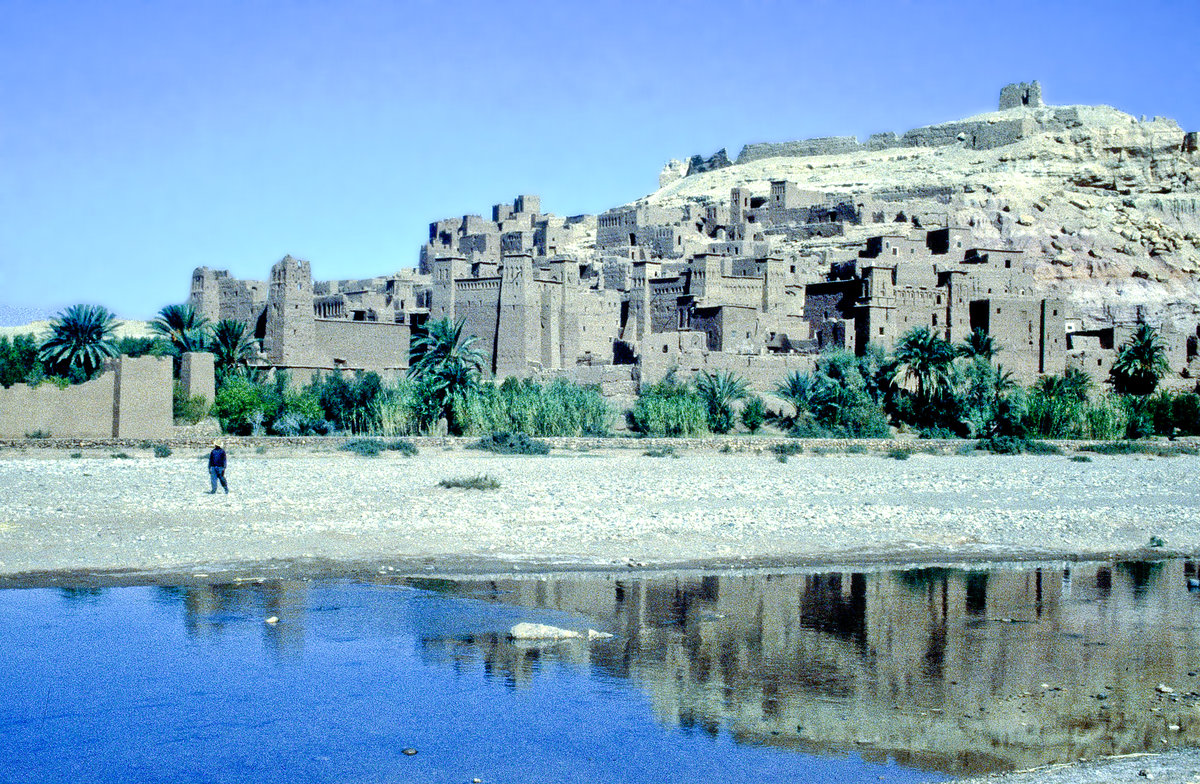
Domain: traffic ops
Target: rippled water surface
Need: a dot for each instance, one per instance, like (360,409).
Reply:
(910,675)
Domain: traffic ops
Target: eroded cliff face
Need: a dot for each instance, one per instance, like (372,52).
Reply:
(1106,206)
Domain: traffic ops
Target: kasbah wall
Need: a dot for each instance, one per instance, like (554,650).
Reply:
(130,399)
(643,290)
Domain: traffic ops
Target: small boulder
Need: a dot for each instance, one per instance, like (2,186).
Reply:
(541,631)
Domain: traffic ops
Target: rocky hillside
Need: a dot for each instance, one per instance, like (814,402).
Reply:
(1107,206)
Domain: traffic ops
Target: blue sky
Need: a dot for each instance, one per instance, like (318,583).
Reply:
(139,140)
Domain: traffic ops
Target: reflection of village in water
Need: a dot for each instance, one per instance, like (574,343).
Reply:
(958,671)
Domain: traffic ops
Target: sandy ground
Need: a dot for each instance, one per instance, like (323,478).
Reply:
(601,509)
(1174,767)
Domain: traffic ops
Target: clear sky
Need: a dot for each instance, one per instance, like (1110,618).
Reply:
(139,140)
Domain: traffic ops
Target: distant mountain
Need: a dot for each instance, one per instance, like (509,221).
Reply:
(17,315)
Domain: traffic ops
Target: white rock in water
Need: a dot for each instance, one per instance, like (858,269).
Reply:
(595,635)
(540,631)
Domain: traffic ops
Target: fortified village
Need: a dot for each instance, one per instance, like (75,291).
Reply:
(1056,230)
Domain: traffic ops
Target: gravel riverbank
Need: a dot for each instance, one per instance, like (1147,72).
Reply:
(592,509)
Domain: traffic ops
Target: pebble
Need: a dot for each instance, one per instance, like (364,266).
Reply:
(410,752)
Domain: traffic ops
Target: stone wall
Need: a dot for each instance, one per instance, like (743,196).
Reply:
(975,135)
(131,399)
(826,145)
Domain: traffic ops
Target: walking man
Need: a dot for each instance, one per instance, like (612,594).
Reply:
(216,468)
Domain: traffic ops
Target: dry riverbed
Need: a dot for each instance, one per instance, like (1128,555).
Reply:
(597,509)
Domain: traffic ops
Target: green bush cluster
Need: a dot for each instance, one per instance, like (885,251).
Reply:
(188,409)
(18,358)
(371,447)
(669,408)
(1015,445)
(246,406)
(840,398)
(1140,448)
(511,444)
(481,482)
(559,408)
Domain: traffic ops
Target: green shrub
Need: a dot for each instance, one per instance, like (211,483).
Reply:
(352,405)
(1105,419)
(481,482)
(76,455)
(835,400)
(38,434)
(121,455)
(246,407)
(781,458)
(1080,459)
(856,449)
(363,447)
(560,408)
(511,444)
(754,413)
(1141,448)
(1012,445)
(18,359)
(899,453)
(669,409)
(1187,413)
(405,448)
(188,410)
(719,391)
(787,449)
(666,451)
(162,450)
(1160,411)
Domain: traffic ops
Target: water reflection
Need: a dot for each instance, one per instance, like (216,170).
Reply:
(958,671)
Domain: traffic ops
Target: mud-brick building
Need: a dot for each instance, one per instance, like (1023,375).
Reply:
(331,325)
(940,281)
(528,318)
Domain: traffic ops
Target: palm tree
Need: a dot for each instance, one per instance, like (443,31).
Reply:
(719,391)
(923,357)
(811,393)
(82,336)
(448,365)
(232,346)
(183,327)
(979,344)
(1140,363)
(1073,385)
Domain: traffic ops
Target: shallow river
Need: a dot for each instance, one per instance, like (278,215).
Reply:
(879,675)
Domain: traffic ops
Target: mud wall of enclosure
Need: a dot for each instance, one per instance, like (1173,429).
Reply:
(130,399)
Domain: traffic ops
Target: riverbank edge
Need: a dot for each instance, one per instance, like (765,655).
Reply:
(457,567)
(720,443)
